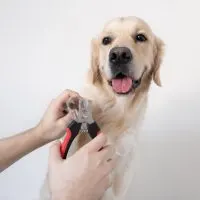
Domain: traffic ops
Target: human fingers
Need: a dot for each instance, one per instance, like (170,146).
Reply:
(97,143)
(105,154)
(60,101)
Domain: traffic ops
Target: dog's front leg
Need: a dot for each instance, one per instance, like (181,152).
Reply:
(124,176)
(121,178)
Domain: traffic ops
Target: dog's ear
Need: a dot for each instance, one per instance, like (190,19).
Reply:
(96,76)
(158,56)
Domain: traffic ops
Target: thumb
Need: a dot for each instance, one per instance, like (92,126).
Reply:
(67,119)
(54,153)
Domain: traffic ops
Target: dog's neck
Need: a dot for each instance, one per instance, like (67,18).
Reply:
(116,116)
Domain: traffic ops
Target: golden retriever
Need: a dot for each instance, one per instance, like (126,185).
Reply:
(126,57)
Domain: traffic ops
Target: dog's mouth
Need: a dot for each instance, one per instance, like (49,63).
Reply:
(124,84)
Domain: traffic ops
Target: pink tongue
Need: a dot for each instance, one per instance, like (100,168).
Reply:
(122,85)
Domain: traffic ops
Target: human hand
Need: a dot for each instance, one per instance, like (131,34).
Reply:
(55,120)
(84,175)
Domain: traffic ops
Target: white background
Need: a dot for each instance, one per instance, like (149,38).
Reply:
(45,48)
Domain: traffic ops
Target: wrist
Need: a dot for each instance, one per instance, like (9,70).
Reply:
(40,134)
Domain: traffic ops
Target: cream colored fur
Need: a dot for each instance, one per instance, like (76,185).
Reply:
(120,117)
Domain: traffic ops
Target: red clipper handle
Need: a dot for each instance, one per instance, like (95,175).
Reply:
(64,144)
(71,133)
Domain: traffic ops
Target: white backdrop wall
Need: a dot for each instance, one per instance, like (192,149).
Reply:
(45,48)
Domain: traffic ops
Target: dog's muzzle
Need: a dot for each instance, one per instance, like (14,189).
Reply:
(120,61)
(120,56)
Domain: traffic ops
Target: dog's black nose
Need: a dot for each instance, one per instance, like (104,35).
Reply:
(120,55)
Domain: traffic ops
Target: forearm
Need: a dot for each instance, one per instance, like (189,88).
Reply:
(15,147)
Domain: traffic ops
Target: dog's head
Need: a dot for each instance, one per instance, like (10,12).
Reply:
(126,56)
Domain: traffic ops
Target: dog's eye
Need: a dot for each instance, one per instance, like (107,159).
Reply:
(107,40)
(140,38)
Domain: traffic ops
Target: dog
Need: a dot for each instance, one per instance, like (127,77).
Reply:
(125,58)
